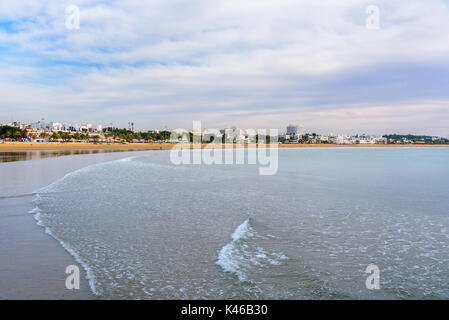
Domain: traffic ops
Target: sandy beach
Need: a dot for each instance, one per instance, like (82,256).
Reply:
(27,146)
(32,264)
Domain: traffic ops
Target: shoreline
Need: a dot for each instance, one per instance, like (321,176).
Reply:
(32,261)
(50,146)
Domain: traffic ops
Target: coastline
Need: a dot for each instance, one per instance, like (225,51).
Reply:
(32,262)
(37,146)
(29,146)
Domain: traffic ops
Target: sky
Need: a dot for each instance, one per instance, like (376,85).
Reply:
(250,64)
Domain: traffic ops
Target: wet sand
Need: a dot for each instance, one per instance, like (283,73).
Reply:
(24,155)
(32,263)
(15,146)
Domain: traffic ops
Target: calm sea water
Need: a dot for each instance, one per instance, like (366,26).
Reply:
(144,228)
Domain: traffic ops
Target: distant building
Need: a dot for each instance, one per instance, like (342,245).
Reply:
(234,134)
(56,126)
(292,130)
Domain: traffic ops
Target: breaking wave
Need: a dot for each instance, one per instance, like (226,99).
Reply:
(241,254)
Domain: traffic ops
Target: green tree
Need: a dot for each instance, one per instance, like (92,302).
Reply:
(44,135)
(8,132)
(76,136)
(65,136)
(54,136)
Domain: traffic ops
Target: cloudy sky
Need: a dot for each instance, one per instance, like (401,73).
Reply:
(249,63)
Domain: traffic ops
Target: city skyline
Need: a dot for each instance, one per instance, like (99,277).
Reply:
(251,64)
(292,132)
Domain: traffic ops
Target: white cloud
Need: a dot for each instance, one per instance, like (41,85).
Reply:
(243,61)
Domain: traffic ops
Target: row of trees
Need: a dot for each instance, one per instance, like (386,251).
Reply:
(129,135)
(14,133)
(392,138)
(65,136)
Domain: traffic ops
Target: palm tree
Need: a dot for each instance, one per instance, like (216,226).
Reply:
(54,136)
(65,136)
(77,136)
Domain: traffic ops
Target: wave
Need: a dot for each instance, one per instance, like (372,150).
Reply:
(54,187)
(240,255)
(133,161)
(36,212)
(231,257)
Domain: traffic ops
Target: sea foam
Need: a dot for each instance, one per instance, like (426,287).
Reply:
(241,254)
(37,214)
(231,257)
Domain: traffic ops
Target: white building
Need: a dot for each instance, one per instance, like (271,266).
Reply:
(56,126)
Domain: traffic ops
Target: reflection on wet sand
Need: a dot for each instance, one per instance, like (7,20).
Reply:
(11,156)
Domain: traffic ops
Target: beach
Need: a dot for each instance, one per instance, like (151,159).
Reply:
(14,146)
(32,262)
(140,227)
(29,146)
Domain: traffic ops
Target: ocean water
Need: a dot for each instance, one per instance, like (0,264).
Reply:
(144,228)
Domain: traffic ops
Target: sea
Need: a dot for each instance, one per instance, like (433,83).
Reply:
(143,227)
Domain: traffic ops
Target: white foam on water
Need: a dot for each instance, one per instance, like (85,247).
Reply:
(229,258)
(37,214)
(409,247)
(133,161)
(238,256)
(54,187)
(36,211)
(93,167)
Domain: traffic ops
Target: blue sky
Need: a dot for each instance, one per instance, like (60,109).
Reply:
(253,64)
